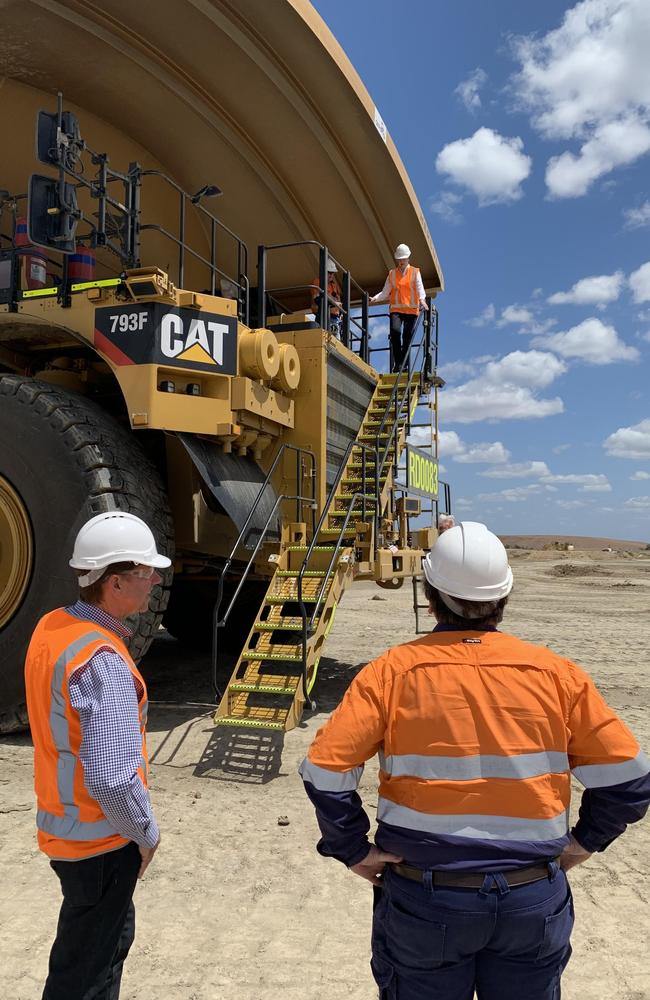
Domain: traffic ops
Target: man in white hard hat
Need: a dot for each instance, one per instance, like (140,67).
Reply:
(333,297)
(404,290)
(87,705)
(477,734)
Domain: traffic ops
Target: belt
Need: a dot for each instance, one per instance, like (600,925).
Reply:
(474,880)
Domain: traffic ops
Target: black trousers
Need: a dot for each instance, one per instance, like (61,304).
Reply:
(96,926)
(401,331)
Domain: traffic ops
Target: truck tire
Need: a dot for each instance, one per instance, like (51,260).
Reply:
(62,460)
(189,613)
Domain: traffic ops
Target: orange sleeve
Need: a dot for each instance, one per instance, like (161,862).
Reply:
(602,750)
(355,731)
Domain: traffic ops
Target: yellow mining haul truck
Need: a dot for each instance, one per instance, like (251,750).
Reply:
(150,363)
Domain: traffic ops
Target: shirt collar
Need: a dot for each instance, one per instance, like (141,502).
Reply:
(90,612)
(463,628)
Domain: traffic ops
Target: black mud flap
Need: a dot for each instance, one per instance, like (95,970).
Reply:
(235,483)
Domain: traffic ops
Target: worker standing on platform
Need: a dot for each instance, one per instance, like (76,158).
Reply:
(404,291)
(333,298)
(478,734)
(87,705)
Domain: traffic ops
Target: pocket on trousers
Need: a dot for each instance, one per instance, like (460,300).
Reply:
(81,881)
(414,941)
(557,930)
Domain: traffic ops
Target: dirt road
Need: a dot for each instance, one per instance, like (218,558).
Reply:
(237,907)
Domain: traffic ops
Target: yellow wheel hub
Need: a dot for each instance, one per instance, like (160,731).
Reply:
(16,551)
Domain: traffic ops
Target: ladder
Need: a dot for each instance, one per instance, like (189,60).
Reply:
(276,670)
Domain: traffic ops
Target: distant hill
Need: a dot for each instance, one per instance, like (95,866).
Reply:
(578,541)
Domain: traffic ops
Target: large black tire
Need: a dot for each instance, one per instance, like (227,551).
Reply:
(68,460)
(189,614)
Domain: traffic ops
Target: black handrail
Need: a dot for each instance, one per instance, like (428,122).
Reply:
(217,622)
(325,300)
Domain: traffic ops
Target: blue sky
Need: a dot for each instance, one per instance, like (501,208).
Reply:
(525,129)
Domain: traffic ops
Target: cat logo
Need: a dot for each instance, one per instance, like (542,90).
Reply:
(202,343)
(152,333)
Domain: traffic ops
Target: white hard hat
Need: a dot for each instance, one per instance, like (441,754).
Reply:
(331,266)
(402,252)
(113,537)
(469,562)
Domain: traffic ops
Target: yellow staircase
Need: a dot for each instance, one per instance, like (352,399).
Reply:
(276,670)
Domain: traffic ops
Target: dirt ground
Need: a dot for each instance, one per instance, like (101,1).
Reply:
(237,907)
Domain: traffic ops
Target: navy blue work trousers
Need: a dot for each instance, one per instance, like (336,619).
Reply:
(96,925)
(448,943)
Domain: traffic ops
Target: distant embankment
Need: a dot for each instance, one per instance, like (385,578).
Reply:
(578,542)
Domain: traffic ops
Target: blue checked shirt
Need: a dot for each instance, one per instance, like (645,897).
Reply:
(105,694)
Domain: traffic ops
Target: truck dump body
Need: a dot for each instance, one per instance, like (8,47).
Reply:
(260,99)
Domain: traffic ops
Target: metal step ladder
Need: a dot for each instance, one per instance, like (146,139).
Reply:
(277,668)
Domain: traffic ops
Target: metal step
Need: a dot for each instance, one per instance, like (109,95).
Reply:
(294,573)
(264,688)
(246,723)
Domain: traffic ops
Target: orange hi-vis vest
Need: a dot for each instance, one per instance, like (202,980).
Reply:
(333,291)
(403,295)
(71,824)
(478,734)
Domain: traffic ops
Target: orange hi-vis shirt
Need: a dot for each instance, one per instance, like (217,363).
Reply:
(71,824)
(478,734)
(403,290)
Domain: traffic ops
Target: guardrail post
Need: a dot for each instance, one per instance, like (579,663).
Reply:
(261,286)
(323,309)
(345,332)
(364,327)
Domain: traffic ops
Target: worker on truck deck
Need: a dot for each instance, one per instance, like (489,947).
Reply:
(404,290)
(333,297)
(87,705)
(478,734)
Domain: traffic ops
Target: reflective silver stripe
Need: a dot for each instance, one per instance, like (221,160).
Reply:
(330,781)
(68,828)
(473,826)
(521,765)
(603,775)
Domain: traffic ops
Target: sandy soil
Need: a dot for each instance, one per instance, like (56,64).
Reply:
(237,907)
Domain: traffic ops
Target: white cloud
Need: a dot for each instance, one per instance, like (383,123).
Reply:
(640,283)
(535,369)
(517,494)
(484,453)
(630,442)
(452,371)
(645,336)
(515,314)
(640,504)
(571,504)
(487,316)
(598,290)
(450,445)
(591,341)
(615,144)
(640,475)
(589,482)
(490,165)
(445,204)
(506,390)
(637,217)
(463,503)
(518,470)
(589,80)
(559,448)
(468,90)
